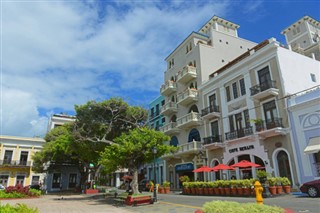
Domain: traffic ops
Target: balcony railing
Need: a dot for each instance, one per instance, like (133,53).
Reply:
(210,111)
(14,163)
(264,90)
(186,74)
(188,96)
(169,128)
(269,124)
(169,108)
(187,148)
(189,120)
(168,88)
(239,133)
(212,139)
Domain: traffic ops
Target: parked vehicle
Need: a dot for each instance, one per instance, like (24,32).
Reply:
(2,187)
(312,188)
(143,185)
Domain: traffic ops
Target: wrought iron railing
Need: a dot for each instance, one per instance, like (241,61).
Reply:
(209,109)
(239,133)
(212,139)
(262,87)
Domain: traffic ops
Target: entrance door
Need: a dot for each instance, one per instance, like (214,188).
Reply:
(240,131)
(72,180)
(270,114)
(212,102)
(264,79)
(284,165)
(215,129)
(20,180)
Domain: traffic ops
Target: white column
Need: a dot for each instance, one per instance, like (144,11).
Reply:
(117,180)
(224,109)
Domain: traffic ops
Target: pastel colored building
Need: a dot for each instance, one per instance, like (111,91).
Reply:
(16,160)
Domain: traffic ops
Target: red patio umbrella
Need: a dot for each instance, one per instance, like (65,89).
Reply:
(203,169)
(245,163)
(222,167)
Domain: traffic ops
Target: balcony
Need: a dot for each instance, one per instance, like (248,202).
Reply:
(169,108)
(210,112)
(270,128)
(168,88)
(239,135)
(189,148)
(187,97)
(15,163)
(213,142)
(186,74)
(170,128)
(192,119)
(264,90)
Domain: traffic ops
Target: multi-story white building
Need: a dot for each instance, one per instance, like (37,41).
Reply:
(304,37)
(252,123)
(16,160)
(188,66)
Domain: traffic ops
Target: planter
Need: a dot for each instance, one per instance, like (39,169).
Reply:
(211,191)
(205,191)
(91,191)
(222,192)
(234,191)
(161,190)
(287,189)
(272,190)
(216,191)
(227,191)
(200,191)
(240,191)
(193,191)
(279,189)
(247,192)
(166,190)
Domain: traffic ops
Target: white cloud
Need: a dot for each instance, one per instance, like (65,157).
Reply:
(57,54)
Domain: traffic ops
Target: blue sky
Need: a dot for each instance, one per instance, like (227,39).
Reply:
(55,54)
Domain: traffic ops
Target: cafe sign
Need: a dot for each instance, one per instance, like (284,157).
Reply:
(242,148)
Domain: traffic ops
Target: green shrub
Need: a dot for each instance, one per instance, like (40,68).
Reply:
(35,192)
(234,207)
(3,194)
(285,181)
(18,208)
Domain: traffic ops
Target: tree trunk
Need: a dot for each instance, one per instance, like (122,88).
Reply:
(134,184)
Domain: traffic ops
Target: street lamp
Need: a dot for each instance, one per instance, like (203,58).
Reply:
(202,156)
(154,151)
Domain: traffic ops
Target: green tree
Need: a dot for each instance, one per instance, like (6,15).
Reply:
(133,149)
(98,123)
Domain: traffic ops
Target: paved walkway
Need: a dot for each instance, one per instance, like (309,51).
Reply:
(95,204)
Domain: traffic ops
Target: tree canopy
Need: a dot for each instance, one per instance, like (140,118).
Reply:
(133,149)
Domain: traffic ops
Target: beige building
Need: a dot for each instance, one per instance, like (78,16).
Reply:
(304,37)
(188,66)
(16,160)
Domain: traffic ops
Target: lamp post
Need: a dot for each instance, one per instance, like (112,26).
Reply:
(154,151)
(203,157)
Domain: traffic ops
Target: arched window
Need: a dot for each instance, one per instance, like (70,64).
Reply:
(284,165)
(194,135)
(174,141)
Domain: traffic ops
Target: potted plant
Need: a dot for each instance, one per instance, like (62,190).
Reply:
(184,178)
(193,187)
(278,185)
(205,186)
(166,185)
(233,185)
(227,187)
(272,185)
(200,187)
(186,188)
(216,187)
(240,187)
(247,187)
(220,187)
(286,184)
(258,123)
(262,176)
(211,188)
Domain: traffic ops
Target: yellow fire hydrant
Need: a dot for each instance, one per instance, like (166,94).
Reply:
(258,189)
